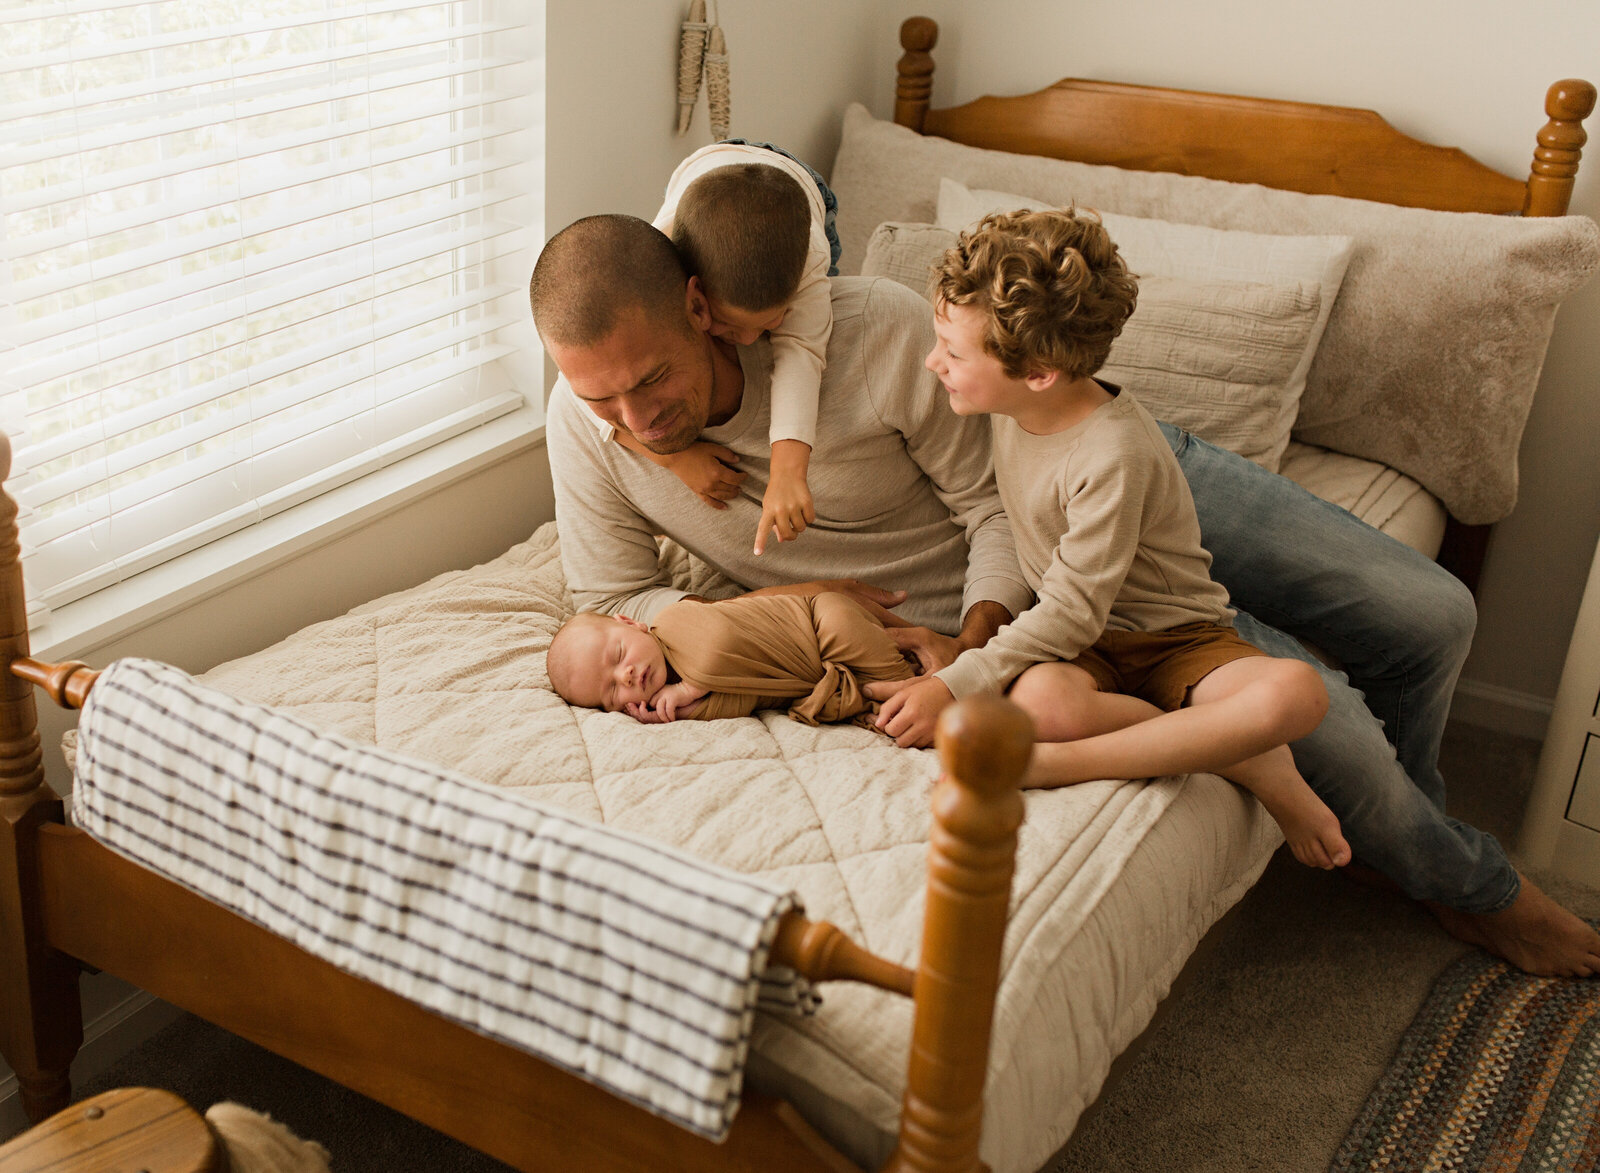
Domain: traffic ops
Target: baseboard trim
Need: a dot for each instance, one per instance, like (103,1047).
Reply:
(105,1040)
(1505,710)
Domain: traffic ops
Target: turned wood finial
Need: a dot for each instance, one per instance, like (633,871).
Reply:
(984,744)
(1555,159)
(914,71)
(823,953)
(67,684)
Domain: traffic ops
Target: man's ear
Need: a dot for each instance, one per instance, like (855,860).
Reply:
(696,304)
(1041,380)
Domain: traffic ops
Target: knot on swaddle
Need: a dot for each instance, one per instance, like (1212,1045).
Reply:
(837,697)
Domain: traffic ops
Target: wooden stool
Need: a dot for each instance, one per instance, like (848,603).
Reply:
(125,1130)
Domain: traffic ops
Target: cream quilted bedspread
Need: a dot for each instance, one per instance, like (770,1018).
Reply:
(453,672)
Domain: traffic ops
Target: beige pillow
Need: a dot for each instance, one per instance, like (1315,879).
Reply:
(1157,248)
(1432,351)
(1211,356)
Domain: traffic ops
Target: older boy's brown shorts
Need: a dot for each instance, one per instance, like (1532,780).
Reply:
(1162,666)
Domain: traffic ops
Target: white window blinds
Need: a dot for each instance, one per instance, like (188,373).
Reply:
(249,250)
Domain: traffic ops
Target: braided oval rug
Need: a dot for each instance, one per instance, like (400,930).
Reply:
(1499,1072)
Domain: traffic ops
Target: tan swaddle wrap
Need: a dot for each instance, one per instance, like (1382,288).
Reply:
(764,651)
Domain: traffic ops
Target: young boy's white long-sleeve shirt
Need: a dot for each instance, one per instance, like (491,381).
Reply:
(1107,536)
(800,342)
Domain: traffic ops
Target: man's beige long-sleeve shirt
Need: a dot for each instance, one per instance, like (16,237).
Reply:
(904,488)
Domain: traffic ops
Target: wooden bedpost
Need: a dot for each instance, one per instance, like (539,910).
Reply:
(41,1023)
(984,744)
(914,71)
(1555,159)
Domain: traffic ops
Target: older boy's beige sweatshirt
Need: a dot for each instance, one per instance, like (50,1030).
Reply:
(1107,536)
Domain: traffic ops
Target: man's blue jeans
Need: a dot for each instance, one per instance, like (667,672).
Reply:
(1399,625)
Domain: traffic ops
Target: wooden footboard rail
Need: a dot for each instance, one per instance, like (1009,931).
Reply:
(67,903)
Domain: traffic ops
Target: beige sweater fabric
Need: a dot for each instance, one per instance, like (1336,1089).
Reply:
(904,488)
(1107,536)
(809,654)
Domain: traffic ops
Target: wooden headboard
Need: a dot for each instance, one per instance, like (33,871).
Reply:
(1294,146)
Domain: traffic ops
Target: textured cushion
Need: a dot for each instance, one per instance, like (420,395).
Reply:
(1217,358)
(1433,348)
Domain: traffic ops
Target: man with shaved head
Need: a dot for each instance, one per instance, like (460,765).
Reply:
(906,500)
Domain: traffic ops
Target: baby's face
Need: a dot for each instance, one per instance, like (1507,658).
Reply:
(622,663)
(742,326)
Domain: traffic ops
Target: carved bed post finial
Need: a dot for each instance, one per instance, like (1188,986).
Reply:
(914,80)
(984,744)
(1555,159)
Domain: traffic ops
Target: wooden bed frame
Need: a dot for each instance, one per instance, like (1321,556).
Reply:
(68,904)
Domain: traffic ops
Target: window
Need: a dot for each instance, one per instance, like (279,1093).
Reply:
(252,249)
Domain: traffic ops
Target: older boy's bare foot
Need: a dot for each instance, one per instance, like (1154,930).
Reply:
(1535,934)
(1310,827)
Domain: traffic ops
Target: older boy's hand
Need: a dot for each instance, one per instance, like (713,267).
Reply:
(910,713)
(928,649)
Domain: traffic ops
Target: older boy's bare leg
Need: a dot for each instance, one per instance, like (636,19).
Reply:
(1237,724)
(1065,703)
(1533,933)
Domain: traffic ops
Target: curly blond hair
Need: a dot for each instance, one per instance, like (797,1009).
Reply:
(1052,287)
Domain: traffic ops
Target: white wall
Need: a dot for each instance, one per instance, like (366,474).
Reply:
(612,107)
(1466,73)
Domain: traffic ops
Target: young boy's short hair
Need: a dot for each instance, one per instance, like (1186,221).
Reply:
(744,230)
(1053,288)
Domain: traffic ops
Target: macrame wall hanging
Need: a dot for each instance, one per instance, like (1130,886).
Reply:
(703,51)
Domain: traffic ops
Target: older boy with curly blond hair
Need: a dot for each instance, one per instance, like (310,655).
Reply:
(1128,661)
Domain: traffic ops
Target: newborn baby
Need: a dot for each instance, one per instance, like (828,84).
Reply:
(809,653)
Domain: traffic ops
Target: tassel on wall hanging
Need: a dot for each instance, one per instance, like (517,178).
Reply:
(703,52)
(691,57)
(719,103)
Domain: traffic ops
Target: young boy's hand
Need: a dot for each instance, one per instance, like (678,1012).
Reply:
(709,470)
(787,507)
(911,708)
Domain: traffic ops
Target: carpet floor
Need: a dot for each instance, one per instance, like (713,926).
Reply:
(1262,1062)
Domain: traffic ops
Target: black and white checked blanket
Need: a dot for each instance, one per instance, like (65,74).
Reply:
(620,960)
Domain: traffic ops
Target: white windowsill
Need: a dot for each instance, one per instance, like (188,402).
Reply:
(75,629)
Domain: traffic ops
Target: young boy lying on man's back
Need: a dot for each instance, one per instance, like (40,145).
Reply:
(1128,661)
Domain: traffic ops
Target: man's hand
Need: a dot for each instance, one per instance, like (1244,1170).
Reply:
(876,600)
(911,708)
(709,470)
(929,650)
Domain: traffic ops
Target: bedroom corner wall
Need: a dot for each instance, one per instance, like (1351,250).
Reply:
(1466,73)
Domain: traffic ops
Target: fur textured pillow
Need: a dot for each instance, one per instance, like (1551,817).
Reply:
(1433,348)
(1216,358)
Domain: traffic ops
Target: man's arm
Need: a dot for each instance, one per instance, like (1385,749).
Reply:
(608,548)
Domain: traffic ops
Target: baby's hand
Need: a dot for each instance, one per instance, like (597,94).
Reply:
(787,507)
(669,704)
(708,469)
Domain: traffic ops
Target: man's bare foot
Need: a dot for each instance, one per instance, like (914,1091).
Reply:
(1535,934)
(1310,827)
